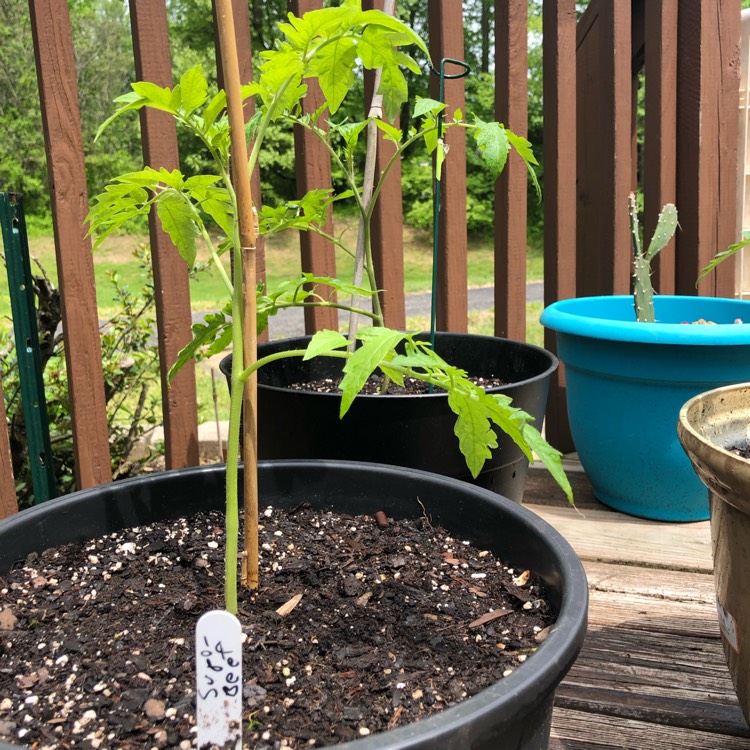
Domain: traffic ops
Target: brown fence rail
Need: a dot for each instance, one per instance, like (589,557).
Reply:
(690,54)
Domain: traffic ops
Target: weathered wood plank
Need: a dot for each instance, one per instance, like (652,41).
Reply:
(607,673)
(56,73)
(314,172)
(447,40)
(668,711)
(582,730)
(707,101)
(647,614)
(511,108)
(8,499)
(659,583)
(153,63)
(387,221)
(559,33)
(671,711)
(604,152)
(660,131)
(541,489)
(609,536)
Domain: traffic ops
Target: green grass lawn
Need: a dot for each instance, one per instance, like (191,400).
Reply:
(282,262)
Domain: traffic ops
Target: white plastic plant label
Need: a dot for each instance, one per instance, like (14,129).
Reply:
(218,670)
(728,626)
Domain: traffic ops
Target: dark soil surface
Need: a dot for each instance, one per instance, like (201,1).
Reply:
(374,386)
(396,621)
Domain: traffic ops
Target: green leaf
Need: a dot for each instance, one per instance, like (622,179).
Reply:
(492,141)
(394,89)
(374,49)
(392,133)
(430,135)
(110,210)
(179,221)
(333,65)
(509,419)
(215,328)
(378,18)
(198,184)
(550,457)
(419,354)
(194,90)
(476,438)
(439,159)
(152,179)
(323,342)
(721,257)
(350,132)
(281,80)
(156,97)
(377,345)
(523,147)
(132,100)
(426,106)
(218,206)
(214,108)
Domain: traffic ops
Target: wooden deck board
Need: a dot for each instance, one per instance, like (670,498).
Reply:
(583,730)
(652,672)
(605,535)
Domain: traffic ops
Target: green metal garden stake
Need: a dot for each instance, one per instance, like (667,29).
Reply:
(26,335)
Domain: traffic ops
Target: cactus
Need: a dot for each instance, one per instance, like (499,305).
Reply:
(642,286)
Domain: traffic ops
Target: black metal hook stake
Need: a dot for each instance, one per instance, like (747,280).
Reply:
(443,76)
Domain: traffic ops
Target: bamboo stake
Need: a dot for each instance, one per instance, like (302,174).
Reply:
(241,178)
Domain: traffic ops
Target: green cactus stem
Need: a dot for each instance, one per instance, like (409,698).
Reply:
(666,226)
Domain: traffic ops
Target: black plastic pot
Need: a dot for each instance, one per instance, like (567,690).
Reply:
(513,714)
(414,430)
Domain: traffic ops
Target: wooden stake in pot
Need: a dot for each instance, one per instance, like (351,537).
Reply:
(241,179)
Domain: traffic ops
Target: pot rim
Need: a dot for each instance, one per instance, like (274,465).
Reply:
(688,432)
(553,364)
(611,317)
(537,678)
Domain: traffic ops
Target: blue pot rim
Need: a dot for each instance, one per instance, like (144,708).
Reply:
(612,318)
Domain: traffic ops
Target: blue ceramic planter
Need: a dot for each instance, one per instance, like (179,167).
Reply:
(626,382)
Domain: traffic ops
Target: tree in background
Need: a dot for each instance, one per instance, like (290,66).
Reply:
(22,158)
(104,63)
(104,60)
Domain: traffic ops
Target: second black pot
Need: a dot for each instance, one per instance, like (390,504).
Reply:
(412,431)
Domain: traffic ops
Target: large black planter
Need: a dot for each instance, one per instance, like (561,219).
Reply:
(513,714)
(413,431)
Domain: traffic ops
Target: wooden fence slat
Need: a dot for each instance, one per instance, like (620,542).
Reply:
(447,40)
(314,172)
(387,236)
(8,499)
(244,53)
(707,105)
(511,108)
(660,136)
(387,221)
(559,33)
(604,144)
(173,314)
(61,121)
